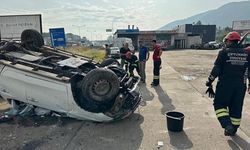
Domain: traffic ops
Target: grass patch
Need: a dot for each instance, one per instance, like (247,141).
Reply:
(97,54)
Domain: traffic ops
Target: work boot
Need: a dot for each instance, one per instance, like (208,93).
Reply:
(235,128)
(153,84)
(229,131)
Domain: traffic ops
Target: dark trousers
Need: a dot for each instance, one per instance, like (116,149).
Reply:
(142,67)
(157,65)
(130,68)
(228,102)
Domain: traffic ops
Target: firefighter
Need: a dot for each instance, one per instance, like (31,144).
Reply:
(107,51)
(131,63)
(231,68)
(143,58)
(157,63)
(123,52)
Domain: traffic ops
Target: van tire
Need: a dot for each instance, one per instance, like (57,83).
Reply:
(32,39)
(100,86)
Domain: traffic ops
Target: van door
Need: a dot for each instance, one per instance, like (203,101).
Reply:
(47,93)
(12,84)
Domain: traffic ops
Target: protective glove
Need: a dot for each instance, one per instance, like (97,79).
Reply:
(210,92)
(209,84)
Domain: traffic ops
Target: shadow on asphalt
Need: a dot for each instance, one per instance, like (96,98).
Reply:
(146,95)
(165,100)
(180,140)
(123,135)
(238,143)
(32,145)
(36,121)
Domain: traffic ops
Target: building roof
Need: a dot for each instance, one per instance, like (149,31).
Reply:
(129,31)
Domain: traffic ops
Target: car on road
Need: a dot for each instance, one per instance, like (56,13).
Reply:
(212,45)
(114,52)
(66,83)
(196,46)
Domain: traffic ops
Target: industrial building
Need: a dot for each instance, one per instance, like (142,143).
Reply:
(241,26)
(181,37)
(206,32)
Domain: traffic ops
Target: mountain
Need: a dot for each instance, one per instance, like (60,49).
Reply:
(221,17)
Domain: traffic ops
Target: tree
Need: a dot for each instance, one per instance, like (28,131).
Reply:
(228,29)
(222,33)
(220,36)
(46,34)
(198,23)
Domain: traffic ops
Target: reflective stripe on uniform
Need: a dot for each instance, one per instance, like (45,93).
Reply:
(223,112)
(156,77)
(235,121)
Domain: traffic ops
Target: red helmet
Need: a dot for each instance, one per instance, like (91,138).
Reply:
(232,36)
(128,55)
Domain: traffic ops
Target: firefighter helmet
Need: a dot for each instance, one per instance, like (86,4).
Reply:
(128,55)
(232,36)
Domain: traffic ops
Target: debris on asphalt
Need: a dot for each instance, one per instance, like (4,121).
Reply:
(160,144)
(41,111)
(5,118)
(28,110)
(188,78)
(55,115)
(14,109)
(143,103)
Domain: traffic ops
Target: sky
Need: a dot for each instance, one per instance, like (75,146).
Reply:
(93,17)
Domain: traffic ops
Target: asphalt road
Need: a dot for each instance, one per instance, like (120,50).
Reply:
(183,75)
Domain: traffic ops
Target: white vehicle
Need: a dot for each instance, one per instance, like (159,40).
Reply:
(66,83)
(114,52)
(119,42)
(212,45)
(11,26)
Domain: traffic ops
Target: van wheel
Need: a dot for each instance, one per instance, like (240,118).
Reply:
(109,61)
(100,86)
(32,39)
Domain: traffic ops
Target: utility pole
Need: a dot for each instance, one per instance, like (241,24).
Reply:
(79,28)
(92,32)
(112,32)
(91,36)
